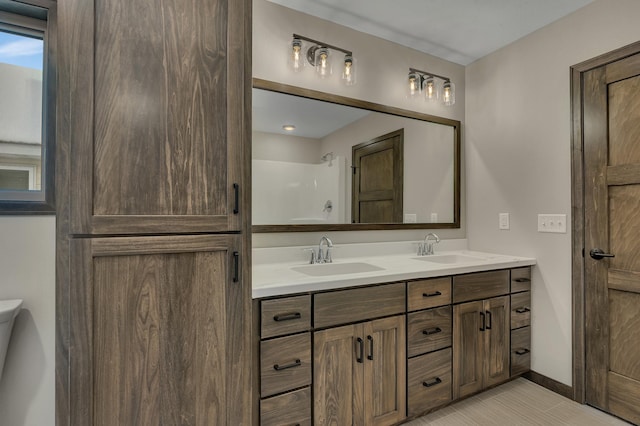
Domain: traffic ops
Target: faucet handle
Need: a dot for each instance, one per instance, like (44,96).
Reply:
(420,249)
(314,257)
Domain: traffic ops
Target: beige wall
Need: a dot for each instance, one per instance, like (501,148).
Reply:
(382,70)
(518,157)
(27,262)
(277,147)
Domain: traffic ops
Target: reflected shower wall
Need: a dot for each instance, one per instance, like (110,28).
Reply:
(292,193)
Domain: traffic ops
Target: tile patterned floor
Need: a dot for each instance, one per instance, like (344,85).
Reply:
(517,403)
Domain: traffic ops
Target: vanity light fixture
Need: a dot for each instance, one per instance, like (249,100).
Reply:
(319,55)
(432,86)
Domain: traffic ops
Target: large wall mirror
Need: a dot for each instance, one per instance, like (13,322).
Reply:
(324,162)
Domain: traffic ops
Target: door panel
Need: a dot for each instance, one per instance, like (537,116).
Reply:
(611,118)
(468,341)
(497,335)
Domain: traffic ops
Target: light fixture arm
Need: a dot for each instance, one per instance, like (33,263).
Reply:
(322,44)
(425,73)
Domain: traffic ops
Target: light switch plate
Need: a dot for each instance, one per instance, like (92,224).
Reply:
(410,218)
(434,217)
(555,223)
(503,220)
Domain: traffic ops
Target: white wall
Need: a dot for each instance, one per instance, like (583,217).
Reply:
(518,157)
(382,70)
(27,262)
(277,147)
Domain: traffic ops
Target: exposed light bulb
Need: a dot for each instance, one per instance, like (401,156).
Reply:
(430,89)
(448,93)
(414,84)
(296,59)
(323,65)
(348,72)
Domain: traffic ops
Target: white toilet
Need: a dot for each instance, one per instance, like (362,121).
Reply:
(8,311)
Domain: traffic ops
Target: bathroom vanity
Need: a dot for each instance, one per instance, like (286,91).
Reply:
(381,346)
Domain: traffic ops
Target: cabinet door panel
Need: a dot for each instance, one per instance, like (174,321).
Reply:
(338,375)
(497,335)
(385,371)
(157,145)
(468,343)
(152,339)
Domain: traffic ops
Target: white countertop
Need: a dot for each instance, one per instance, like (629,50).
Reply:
(274,279)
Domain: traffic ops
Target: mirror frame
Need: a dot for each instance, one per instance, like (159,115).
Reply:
(341,100)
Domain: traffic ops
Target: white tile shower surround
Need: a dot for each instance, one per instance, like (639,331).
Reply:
(517,403)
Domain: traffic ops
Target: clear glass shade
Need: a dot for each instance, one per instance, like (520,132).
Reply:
(323,62)
(349,71)
(414,85)
(448,93)
(296,56)
(431,89)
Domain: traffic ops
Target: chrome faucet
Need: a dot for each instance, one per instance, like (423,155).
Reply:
(425,248)
(319,255)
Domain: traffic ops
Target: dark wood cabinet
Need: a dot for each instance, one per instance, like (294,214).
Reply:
(153,229)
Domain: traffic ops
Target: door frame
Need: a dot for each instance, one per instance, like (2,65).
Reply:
(577,212)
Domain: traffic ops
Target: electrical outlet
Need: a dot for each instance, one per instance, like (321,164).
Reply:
(503,221)
(555,223)
(410,218)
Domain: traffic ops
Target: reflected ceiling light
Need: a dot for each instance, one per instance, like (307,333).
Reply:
(289,127)
(432,86)
(319,55)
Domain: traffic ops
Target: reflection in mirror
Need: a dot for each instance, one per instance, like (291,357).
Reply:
(334,163)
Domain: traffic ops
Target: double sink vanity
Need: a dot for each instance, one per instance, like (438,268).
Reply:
(381,335)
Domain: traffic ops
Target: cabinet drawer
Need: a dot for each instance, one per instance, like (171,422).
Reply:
(428,330)
(285,363)
(520,350)
(520,309)
(344,306)
(520,279)
(481,285)
(293,408)
(428,293)
(285,316)
(428,381)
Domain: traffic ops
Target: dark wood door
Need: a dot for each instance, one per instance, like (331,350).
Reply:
(154,326)
(611,105)
(156,114)
(378,179)
(469,346)
(497,340)
(385,381)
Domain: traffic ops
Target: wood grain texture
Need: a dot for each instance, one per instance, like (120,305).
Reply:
(158,244)
(385,374)
(596,235)
(624,225)
(497,340)
(344,306)
(520,279)
(624,397)
(429,368)
(624,280)
(429,321)
(624,323)
(337,376)
(520,302)
(520,342)
(288,409)
(284,88)
(275,314)
(625,174)
(285,351)
(624,119)
(469,345)
(423,294)
(480,285)
(148,368)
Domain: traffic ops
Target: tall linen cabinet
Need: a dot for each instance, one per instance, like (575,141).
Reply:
(153,228)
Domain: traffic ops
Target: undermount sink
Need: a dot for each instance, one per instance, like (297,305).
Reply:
(323,269)
(449,258)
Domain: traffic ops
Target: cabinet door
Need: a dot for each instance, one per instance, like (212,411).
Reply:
(385,371)
(338,362)
(497,340)
(468,346)
(156,113)
(156,332)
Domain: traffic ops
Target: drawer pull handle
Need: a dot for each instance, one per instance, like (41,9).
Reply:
(522,310)
(236,198)
(430,331)
(437,293)
(287,317)
(295,363)
(489,320)
(360,355)
(482,327)
(236,267)
(522,280)
(522,351)
(370,356)
(435,381)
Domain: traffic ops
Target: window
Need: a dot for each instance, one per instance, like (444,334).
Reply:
(27,109)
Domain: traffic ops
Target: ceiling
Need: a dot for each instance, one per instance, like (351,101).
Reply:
(459,31)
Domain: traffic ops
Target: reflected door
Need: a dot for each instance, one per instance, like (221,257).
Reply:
(377,179)
(612,225)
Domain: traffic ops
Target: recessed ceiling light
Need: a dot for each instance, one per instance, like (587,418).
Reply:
(289,127)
